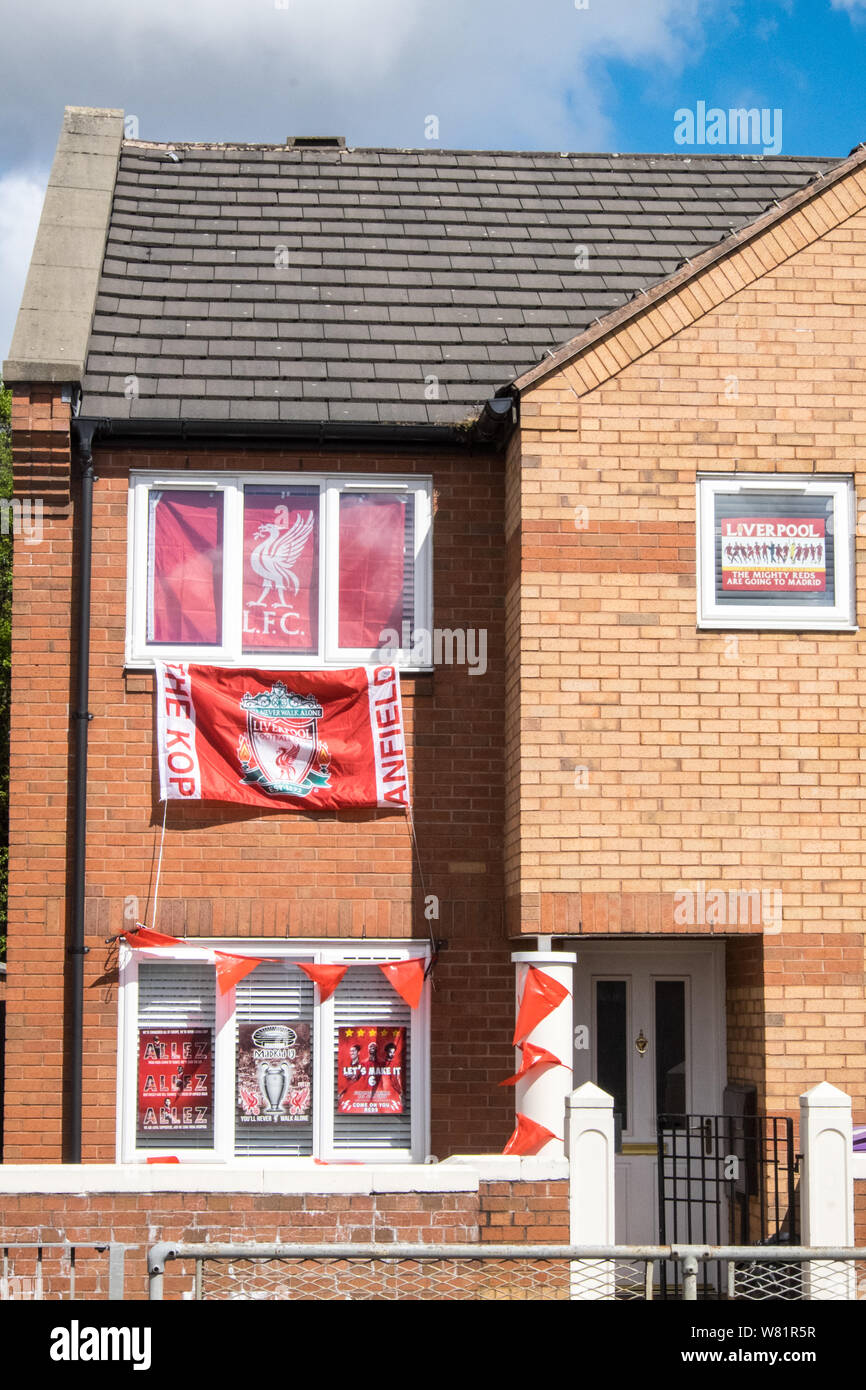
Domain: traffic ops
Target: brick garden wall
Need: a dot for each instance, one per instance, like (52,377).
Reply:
(497,1212)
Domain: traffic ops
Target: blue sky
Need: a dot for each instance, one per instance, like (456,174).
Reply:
(804,57)
(503,74)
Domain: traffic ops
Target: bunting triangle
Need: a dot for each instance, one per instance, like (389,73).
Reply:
(528,1136)
(230,969)
(532,1057)
(407,978)
(327,977)
(144,936)
(541,995)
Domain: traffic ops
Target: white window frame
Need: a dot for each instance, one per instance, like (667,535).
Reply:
(224,1055)
(142,656)
(793,617)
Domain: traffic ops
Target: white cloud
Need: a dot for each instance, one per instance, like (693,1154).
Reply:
(21,195)
(497,73)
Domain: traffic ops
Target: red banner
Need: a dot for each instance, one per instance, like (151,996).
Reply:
(371,1070)
(304,741)
(175,1080)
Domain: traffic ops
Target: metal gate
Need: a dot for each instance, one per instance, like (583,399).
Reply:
(726,1180)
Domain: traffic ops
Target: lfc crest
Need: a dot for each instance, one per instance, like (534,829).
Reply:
(280,752)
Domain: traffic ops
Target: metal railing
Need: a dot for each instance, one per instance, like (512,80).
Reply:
(62,1269)
(510,1272)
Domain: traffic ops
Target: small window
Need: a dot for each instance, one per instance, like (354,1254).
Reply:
(775,552)
(268,1071)
(282,570)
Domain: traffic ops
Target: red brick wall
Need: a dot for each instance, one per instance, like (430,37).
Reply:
(39,809)
(232,871)
(499,1212)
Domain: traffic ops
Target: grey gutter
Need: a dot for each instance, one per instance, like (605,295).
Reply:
(490,429)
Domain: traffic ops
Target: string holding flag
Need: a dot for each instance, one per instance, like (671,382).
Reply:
(406,977)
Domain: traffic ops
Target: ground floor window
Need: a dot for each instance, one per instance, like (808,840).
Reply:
(270,1070)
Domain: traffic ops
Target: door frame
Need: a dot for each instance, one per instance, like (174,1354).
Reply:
(662,957)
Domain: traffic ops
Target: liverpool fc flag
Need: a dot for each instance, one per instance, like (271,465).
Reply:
(296,740)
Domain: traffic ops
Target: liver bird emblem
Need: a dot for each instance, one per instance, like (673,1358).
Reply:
(278,551)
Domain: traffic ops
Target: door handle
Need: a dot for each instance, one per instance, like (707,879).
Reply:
(707,1128)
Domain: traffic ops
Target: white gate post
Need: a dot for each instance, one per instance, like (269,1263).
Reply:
(591,1204)
(827,1188)
(541,1095)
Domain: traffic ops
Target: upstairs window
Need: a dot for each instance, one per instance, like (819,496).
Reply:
(776,552)
(265,570)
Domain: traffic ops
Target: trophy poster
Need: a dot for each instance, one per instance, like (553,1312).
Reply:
(274,1076)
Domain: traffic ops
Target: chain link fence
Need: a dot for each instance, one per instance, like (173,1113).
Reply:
(454,1273)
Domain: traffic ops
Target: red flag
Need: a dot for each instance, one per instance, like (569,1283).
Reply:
(282,740)
(532,1057)
(327,977)
(407,977)
(143,936)
(541,995)
(230,969)
(528,1136)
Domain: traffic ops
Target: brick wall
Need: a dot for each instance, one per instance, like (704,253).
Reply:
(44,610)
(497,1212)
(235,872)
(732,761)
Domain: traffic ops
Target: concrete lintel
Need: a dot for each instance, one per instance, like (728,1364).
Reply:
(53,325)
(294,1179)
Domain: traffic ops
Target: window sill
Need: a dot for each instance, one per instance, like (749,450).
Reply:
(749,625)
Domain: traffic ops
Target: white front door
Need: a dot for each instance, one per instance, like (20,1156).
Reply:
(649,1029)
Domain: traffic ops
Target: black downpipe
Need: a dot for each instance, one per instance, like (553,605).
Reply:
(81,717)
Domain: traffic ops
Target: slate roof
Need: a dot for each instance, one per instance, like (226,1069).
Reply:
(263,283)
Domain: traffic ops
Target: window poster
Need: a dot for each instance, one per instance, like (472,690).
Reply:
(274,1075)
(775,554)
(371,1070)
(175,1080)
(281,569)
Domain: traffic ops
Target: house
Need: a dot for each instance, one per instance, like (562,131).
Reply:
(614,404)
